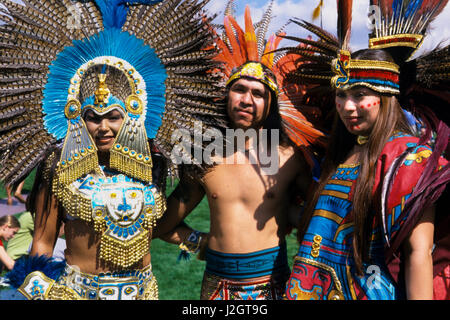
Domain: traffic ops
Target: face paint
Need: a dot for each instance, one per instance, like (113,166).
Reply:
(358,109)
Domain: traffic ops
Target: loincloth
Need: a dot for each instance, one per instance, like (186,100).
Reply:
(227,275)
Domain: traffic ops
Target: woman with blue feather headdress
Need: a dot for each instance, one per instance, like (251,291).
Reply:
(90,94)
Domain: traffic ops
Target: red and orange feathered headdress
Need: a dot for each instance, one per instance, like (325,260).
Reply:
(244,53)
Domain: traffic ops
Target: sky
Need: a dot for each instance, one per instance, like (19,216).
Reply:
(283,10)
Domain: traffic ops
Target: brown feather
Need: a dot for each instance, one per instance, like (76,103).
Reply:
(344,22)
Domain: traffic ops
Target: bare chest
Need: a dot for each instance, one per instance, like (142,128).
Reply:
(249,182)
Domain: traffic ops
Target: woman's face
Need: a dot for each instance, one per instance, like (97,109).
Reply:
(358,109)
(8,233)
(103,128)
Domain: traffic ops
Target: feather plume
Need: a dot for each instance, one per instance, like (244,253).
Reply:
(27,264)
(230,8)
(250,36)
(240,37)
(344,23)
(235,47)
(36,34)
(262,29)
(406,16)
(426,84)
(307,73)
(317,31)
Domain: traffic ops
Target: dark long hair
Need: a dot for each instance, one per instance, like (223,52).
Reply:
(43,180)
(390,119)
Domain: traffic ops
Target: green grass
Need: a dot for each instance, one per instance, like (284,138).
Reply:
(179,280)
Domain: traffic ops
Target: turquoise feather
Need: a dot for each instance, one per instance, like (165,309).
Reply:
(114,12)
(110,42)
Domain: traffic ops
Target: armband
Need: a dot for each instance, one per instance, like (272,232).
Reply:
(36,286)
(35,276)
(192,245)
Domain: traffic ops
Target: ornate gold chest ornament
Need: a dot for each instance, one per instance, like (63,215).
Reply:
(123,210)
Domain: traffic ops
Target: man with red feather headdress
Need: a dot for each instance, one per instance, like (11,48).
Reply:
(246,256)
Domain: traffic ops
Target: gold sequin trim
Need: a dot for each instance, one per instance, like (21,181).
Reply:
(316,246)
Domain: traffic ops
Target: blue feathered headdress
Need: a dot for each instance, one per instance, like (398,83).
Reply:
(108,43)
(162,47)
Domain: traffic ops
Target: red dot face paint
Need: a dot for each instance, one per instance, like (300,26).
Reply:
(358,110)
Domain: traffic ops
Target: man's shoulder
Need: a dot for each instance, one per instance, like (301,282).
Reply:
(288,149)
(293,154)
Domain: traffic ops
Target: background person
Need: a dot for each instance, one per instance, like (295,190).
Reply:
(20,244)
(9,226)
(17,193)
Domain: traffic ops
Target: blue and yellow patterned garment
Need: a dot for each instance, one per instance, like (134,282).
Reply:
(122,285)
(324,267)
(259,275)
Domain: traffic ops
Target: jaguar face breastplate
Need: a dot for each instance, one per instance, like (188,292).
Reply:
(122,209)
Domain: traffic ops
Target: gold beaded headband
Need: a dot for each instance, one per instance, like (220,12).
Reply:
(254,70)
